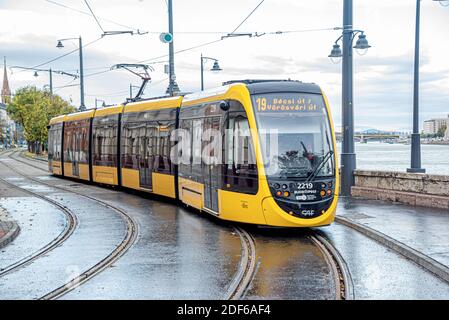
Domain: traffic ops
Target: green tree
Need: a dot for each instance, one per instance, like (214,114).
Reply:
(33,109)
(441,131)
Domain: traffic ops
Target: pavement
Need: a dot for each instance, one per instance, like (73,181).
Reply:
(421,234)
(9,229)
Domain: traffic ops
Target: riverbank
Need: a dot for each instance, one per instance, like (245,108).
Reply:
(379,156)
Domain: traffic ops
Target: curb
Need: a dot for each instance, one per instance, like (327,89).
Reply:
(10,236)
(417,257)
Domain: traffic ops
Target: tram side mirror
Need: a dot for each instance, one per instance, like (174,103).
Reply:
(224,105)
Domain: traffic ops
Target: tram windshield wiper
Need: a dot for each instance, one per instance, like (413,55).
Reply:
(317,169)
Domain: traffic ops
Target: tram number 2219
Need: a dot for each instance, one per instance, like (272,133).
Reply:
(305,186)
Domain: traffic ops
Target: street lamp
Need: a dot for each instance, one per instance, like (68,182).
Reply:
(60,46)
(416,137)
(215,68)
(50,72)
(362,46)
(336,54)
(348,157)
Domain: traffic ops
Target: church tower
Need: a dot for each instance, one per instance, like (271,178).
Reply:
(6,91)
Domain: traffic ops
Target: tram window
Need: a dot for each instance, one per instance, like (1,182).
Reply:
(104,141)
(162,162)
(132,133)
(184,168)
(76,141)
(240,173)
(198,127)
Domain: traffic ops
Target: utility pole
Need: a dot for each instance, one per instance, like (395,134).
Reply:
(348,157)
(202,73)
(416,137)
(51,81)
(173,86)
(82,106)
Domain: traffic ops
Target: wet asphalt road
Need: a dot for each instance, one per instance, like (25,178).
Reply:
(181,254)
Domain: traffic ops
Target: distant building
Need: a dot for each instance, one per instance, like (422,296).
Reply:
(432,126)
(6,91)
(8,134)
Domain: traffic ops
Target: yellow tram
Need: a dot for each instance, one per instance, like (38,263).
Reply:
(253,151)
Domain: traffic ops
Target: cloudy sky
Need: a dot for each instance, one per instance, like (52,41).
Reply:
(383,77)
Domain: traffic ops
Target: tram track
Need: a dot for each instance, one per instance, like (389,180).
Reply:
(344,289)
(71,225)
(120,250)
(248,262)
(247,267)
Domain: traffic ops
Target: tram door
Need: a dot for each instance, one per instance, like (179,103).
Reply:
(146,157)
(211,172)
(76,147)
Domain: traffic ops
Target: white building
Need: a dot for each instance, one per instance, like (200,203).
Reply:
(7,126)
(432,126)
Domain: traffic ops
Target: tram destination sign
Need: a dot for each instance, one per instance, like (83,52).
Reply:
(294,102)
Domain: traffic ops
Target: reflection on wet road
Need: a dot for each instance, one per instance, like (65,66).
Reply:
(184,254)
(291,267)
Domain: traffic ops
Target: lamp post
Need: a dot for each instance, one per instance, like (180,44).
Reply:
(415,163)
(348,156)
(172,86)
(50,73)
(80,44)
(215,68)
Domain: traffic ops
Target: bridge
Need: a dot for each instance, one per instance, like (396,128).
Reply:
(363,137)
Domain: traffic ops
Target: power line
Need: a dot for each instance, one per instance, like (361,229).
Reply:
(66,54)
(244,20)
(87,13)
(255,34)
(93,14)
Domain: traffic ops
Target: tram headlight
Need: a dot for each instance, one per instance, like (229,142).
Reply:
(279,194)
(323,193)
(329,192)
(286,194)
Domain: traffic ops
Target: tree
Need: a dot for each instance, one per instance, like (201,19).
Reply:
(33,109)
(441,131)
(3,128)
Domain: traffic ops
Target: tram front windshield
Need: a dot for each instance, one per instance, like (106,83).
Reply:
(295,135)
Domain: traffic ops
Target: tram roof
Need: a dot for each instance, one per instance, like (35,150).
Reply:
(108,111)
(57,119)
(271,86)
(154,104)
(80,115)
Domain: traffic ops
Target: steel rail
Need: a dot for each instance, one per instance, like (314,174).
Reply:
(247,267)
(120,250)
(340,271)
(70,227)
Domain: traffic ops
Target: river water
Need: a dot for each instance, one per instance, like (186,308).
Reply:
(396,157)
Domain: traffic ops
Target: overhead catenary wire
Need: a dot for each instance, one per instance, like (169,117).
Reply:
(62,56)
(250,14)
(256,34)
(87,13)
(93,15)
